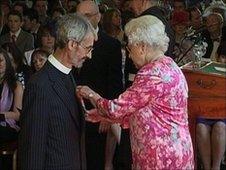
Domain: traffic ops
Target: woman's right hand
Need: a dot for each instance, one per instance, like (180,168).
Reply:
(93,116)
(84,92)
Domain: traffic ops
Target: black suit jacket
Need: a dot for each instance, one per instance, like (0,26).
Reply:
(103,72)
(52,125)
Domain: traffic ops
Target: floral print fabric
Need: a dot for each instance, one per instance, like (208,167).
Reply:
(155,110)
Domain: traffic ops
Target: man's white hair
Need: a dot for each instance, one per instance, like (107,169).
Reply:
(147,29)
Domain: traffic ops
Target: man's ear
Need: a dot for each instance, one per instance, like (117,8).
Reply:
(71,44)
(98,17)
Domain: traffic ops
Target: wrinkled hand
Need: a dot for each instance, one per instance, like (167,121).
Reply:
(93,116)
(104,126)
(84,92)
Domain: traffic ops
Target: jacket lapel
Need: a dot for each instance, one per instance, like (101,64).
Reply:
(20,38)
(62,92)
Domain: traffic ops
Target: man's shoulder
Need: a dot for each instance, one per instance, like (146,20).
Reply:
(26,34)
(41,77)
(157,12)
(108,39)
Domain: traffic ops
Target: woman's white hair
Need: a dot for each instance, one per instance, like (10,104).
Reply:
(147,29)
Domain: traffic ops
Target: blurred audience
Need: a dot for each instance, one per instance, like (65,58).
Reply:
(22,39)
(221,52)
(38,59)
(196,19)
(21,68)
(46,37)
(179,5)
(41,6)
(112,24)
(11,100)
(214,34)
(20,6)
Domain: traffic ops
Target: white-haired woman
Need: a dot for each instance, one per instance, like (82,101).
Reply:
(155,106)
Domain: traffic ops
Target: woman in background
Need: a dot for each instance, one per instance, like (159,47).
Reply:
(22,70)
(38,59)
(45,41)
(11,92)
(112,24)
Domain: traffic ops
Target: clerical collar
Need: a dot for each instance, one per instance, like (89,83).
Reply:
(58,65)
(96,31)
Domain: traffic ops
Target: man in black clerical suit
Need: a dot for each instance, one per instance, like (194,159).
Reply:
(52,122)
(103,73)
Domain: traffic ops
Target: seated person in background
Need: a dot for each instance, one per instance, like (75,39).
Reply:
(22,70)
(23,40)
(180,23)
(211,138)
(20,6)
(38,59)
(221,52)
(214,34)
(195,18)
(45,41)
(211,133)
(179,5)
(112,24)
(11,92)
(31,23)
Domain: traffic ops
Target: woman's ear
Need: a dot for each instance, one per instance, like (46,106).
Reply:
(143,50)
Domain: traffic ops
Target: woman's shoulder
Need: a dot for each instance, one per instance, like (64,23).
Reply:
(159,69)
(158,64)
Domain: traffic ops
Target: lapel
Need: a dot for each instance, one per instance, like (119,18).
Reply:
(20,38)
(59,87)
(80,109)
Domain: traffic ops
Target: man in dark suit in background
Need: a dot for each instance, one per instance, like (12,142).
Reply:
(52,122)
(104,74)
(23,40)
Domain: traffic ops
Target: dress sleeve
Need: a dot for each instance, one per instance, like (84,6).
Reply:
(144,89)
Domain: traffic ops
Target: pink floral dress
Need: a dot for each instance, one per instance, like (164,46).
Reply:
(155,110)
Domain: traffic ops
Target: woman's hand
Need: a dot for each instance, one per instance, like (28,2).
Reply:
(84,92)
(93,116)
(87,93)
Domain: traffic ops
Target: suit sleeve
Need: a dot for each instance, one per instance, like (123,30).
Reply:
(34,126)
(115,85)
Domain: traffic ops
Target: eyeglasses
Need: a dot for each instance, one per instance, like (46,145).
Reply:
(89,15)
(88,49)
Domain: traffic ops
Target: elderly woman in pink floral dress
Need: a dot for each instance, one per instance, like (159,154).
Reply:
(155,106)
